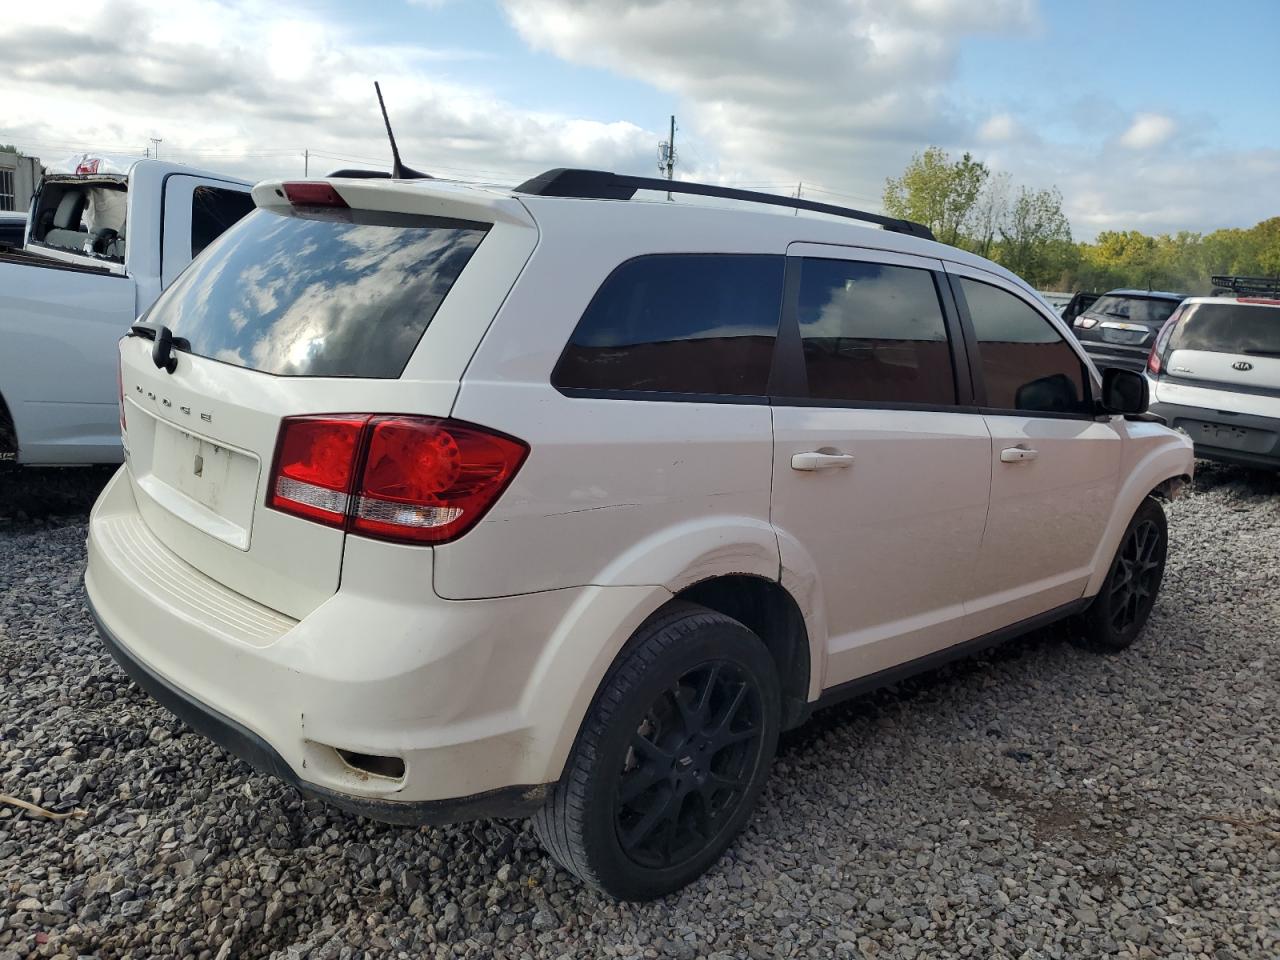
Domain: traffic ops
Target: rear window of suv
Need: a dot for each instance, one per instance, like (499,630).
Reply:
(1134,309)
(298,296)
(1229,328)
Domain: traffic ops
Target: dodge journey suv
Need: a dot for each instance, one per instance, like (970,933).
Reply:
(444,501)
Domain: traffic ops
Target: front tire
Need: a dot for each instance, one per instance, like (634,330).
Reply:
(1121,608)
(671,757)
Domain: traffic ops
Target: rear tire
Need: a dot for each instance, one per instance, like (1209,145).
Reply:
(670,759)
(1121,608)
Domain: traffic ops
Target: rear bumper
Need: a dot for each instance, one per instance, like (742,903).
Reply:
(382,668)
(1238,438)
(239,740)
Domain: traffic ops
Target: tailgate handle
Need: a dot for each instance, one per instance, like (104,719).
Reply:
(820,460)
(1017,454)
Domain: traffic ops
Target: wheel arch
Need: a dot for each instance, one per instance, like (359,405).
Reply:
(1161,471)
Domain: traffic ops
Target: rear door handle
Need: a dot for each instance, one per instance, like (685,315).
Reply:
(817,460)
(1017,454)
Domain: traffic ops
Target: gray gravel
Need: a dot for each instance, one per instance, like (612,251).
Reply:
(1037,802)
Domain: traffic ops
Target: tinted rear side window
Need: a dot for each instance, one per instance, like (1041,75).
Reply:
(1025,362)
(874,333)
(1229,328)
(679,323)
(302,297)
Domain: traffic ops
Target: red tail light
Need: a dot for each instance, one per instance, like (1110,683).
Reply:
(1154,363)
(420,479)
(309,193)
(315,464)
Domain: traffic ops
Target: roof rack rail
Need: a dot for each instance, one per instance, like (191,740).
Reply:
(1249,286)
(603,185)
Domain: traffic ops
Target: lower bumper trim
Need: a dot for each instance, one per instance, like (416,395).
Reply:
(235,738)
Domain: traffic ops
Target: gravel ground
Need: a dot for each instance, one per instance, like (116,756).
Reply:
(1036,802)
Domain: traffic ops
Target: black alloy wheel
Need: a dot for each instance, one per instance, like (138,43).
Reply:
(1137,574)
(1121,608)
(671,757)
(689,765)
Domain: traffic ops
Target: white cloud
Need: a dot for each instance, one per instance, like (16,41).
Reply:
(1001,128)
(246,85)
(837,91)
(1148,130)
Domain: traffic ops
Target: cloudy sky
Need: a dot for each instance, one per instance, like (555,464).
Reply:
(1144,113)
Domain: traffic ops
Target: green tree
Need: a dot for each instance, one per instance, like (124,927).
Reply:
(8,148)
(937,192)
(1035,238)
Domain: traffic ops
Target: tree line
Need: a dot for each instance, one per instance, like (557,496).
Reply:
(968,205)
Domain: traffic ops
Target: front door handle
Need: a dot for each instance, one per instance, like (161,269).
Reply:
(1017,454)
(818,460)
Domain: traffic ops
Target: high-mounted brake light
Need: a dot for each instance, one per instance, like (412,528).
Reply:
(312,193)
(402,478)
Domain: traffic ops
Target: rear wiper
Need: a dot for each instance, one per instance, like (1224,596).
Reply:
(1263,353)
(164,343)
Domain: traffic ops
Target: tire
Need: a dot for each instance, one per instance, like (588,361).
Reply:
(1120,610)
(670,759)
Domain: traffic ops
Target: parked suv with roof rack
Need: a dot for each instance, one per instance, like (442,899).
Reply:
(443,501)
(1215,372)
(1118,328)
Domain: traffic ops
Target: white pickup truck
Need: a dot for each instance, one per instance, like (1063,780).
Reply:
(99,248)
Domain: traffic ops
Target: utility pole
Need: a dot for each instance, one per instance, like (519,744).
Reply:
(306,162)
(799,187)
(156,141)
(667,153)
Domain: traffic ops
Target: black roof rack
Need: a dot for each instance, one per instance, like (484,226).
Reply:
(603,185)
(1249,286)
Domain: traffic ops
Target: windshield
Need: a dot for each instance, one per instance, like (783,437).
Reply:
(308,297)
(1252,329)
(1133,309)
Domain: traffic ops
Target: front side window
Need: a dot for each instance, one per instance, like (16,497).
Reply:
(873,333)
(679,323)
(1025,362)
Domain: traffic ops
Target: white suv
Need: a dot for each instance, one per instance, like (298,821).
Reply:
(443,501)
(1215,372)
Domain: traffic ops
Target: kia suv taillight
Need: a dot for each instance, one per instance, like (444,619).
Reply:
(1154,359)
(402,478)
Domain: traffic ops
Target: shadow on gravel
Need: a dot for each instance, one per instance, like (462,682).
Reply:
(1238,482)
(941,680)
(42,493)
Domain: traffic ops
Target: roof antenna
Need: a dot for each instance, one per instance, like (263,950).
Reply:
(398,170)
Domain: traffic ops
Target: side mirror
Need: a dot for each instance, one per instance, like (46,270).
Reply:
(1124,391)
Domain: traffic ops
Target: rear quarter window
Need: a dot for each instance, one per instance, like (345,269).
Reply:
(679,323)
(294,295)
